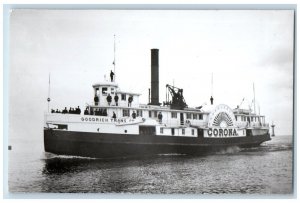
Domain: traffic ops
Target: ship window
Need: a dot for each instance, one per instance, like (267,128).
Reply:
(139,113)
(251,118)
(200,133)
(125,112)
(236,118)
(161,131)
(97,91)
(112,90)
(100,112)
(147,130)
(183,131)
(188,116)
(155,114)
(193,131)
(194,116)
(200,116)
(174,114)
(150,114)
(62,127)
(123,97)
(104,90)
(248,132)
(173,131)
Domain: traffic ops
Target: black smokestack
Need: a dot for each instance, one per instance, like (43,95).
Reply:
(154,77)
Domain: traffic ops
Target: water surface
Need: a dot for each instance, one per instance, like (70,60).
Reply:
(266,170)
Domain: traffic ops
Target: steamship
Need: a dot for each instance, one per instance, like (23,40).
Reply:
(124,127)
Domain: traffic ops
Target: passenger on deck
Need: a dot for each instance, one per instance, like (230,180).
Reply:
(86,111)
(160,117)
(65,110)
(96,100)
(108,99)
(112,76)
(104,112)
(114,115)
(70,110)
(78,111)
(52,111)
(116,98)
(133,115)
(130,99)
(57,111)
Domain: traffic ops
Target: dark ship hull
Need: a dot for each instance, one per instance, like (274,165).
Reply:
(99,145)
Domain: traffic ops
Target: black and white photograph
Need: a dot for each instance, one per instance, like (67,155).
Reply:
(193,102)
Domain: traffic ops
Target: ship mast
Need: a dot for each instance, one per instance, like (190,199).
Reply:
(254,99)
(48,99)
(212,84)
(114,58)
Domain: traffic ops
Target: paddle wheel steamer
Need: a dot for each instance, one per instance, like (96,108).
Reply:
(117,125)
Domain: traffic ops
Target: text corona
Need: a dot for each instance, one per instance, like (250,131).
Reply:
(222,132)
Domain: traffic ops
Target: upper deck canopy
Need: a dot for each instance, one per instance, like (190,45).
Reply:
(106,83)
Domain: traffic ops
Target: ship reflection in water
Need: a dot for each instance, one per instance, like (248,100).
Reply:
(233,171)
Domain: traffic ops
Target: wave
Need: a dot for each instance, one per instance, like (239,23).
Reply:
(229,150)
(172,154)
(49,156)
(269,148)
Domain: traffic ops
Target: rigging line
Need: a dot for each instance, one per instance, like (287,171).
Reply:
(212,84)
(114,58)
(49,87)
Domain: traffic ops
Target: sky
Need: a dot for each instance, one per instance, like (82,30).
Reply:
(76,47)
